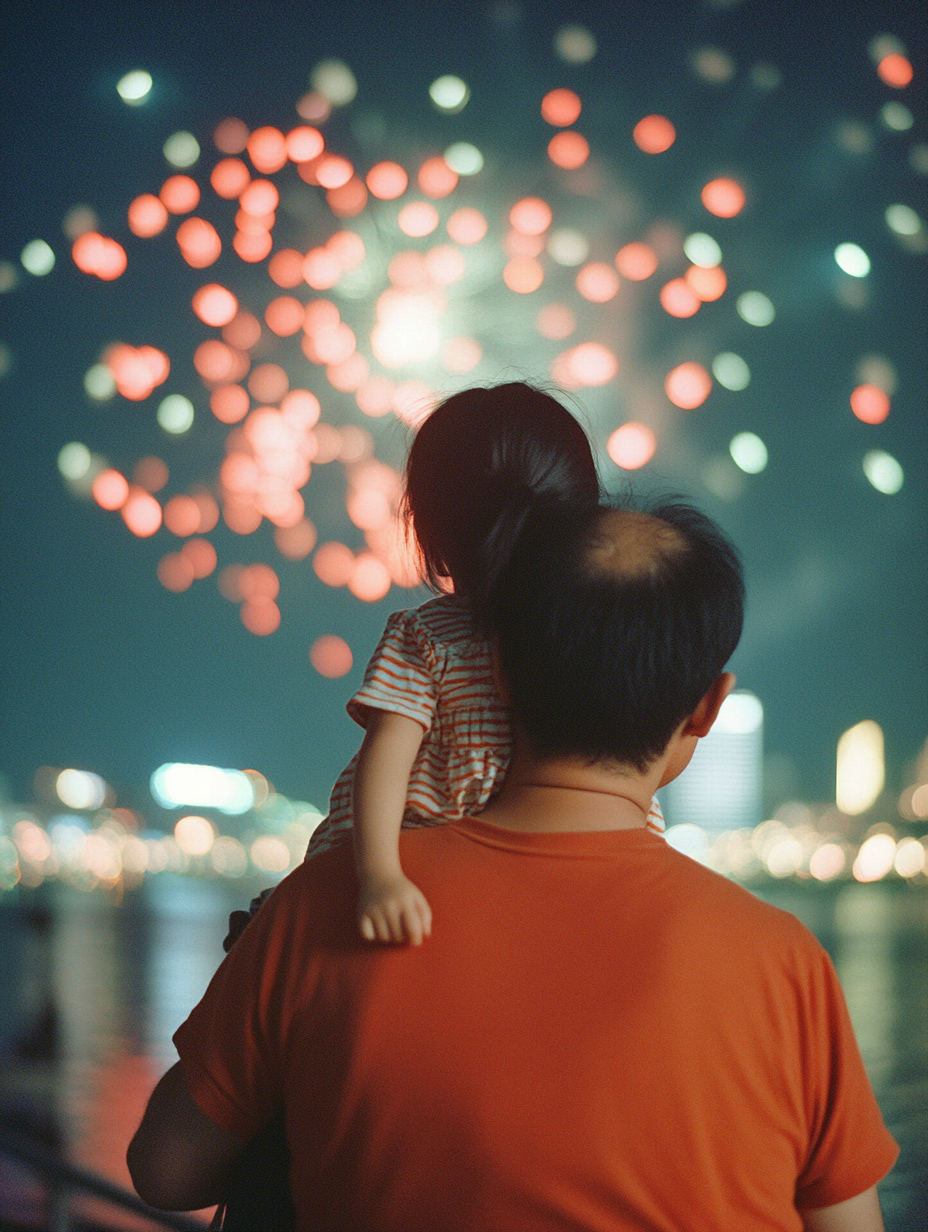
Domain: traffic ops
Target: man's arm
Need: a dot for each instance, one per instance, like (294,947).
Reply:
(178,1157)
(860,1214)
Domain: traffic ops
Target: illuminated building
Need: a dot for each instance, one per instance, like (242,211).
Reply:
(721,789)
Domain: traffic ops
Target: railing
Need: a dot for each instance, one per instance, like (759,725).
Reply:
(64,1179)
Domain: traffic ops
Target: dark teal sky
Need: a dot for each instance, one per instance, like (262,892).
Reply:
(105,670)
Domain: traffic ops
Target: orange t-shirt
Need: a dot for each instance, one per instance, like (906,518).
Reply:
(600,1034)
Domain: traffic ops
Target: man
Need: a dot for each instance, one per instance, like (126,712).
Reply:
(600,1034)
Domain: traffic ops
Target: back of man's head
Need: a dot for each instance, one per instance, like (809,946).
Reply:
(613,623)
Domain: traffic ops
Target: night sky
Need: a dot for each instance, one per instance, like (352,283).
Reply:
(106,670)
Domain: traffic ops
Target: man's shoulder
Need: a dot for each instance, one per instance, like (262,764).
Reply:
(722,904)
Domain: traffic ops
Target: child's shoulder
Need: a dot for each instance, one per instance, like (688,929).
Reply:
(444,620)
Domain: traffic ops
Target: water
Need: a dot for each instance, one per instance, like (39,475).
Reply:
(92,992)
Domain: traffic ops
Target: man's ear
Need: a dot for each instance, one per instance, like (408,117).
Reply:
(502,686)
(700,721)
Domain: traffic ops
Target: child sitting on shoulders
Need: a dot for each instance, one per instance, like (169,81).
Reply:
(437,735)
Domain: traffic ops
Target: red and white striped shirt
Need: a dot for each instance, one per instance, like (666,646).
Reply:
(430,667)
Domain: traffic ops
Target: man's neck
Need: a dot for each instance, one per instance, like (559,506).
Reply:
(569,795)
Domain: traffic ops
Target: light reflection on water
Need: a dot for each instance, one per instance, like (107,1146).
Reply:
(123,978)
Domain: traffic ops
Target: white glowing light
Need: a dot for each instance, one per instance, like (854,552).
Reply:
(175,414)
(741,713)
(903,220)
(784,857)
(134,87)
(568,247)
(99,383)
(575,44)
(702,250)
(464,158)
(827,861)
(271,855)
(176,784)
(910,858)
(449,94)
(335,81)
(38,258)
(74,460)
(690,840)
(852,259)
(748,452)
(755,308)
(79,789)
(897,117)
(181,149)
(860,768)
(875,858)
(228,857)
(883,471)
(731,371)
(195,836)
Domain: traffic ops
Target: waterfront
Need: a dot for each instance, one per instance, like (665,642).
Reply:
(93,991)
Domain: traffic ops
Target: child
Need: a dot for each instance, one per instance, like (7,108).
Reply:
(437,738)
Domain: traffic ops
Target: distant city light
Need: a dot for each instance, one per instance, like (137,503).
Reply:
(74,460)
(270,854)
(99,383)
(731,371)
(134,87)
(176,784)
(79,789)
(860,768)
(575,44)
(852,259)
(464,158)
(334,80)
(748,452)
(449,94)
(895,70)
(827,861)
(883,471)
(909,859)
(195,836)
(897,117)
(38,258)
(568,247)
(903,220)
(755,308)
(175,414)
(181,149)
(875,858)
(702,249)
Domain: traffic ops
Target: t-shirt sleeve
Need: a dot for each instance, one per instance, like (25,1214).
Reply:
(850,1147)
(401,674)
(226,1046)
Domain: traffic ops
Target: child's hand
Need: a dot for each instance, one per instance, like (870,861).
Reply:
(393,909)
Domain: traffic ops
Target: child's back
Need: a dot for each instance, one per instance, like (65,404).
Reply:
(432,667)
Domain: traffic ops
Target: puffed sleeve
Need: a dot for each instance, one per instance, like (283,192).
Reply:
(401,674)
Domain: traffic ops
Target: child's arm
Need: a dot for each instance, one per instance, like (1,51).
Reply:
(390,907)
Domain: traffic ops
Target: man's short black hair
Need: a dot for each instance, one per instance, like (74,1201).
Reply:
(613,622)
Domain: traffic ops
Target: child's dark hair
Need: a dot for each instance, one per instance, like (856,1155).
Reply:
(609,641)
(479,464)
